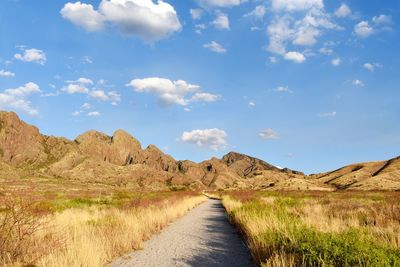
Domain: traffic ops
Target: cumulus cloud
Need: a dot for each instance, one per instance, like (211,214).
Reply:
(268,134)
(4,73)
(75,89)
(215,47)
(296,57)
(94,114)
(196,13)
(83,15)
(171,92)
(302,29)
(141,18)
(343,11)
(17,98)
(296,5)
(204,97)
(219,3)
(85,86)
(379,23)
(32,55)
(258,12)
(214,139)
(336,62)
(363,29)
(221,22)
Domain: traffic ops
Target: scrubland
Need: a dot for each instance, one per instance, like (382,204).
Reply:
(81,227)
(319,229)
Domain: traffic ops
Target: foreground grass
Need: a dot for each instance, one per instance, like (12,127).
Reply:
(86,232)
(334,229)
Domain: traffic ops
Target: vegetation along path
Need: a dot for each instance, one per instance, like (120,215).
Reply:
(203,237)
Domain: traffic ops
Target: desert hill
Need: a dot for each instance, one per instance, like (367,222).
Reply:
(120,160)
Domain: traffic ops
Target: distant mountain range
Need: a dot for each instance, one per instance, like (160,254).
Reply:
(120,160)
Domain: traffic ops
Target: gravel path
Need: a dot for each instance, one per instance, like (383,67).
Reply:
(203,237)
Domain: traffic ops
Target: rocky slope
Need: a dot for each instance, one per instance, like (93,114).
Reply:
(381,175)
(120,160)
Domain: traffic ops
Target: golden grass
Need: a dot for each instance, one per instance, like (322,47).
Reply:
(94,236)
(330,229)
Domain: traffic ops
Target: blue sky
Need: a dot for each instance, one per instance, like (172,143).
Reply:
(306,84)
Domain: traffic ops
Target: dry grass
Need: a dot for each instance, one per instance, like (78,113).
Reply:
(319,229)
(87,232)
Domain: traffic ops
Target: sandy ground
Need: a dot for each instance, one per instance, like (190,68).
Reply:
(201,238)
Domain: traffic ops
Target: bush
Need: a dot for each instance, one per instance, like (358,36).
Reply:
(18,224)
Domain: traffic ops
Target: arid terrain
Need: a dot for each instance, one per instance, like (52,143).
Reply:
(119,160)
(61,199)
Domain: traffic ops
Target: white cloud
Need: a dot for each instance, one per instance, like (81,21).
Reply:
(16,98)
(84,81)
(282,89)
(279,32)
(258,12)
(326,51)
(32,55)
(98,95)
(221,22)
(295,57)
(75,89)
(204,97)
(214,139)
(363,29)
(172,92)
(252,104)
(306,35)
(81,85)
(328,114)
(268,134)
(382,19)
(84,15)
(200,28)
(94,114)
(169,92)
(4,73)
(296,5)
(215,47)
(255,28)
(379,23)
(196,13)
(358,83)
(219,3)
(372,66)
(141,18)
(343,11)
(336,62)
(86,106)
(25,90)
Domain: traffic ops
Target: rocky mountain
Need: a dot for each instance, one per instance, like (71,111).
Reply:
(120,160)
(380,175)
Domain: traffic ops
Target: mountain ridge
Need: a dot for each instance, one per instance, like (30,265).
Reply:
(120,159)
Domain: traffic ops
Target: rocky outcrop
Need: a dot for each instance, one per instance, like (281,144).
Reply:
(20,143)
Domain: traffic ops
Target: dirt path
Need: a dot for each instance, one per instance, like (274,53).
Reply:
(201,238)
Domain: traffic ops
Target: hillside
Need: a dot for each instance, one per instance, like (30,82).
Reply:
(120,160)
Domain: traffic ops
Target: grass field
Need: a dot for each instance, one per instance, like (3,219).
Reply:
(319,229)
(80,225)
